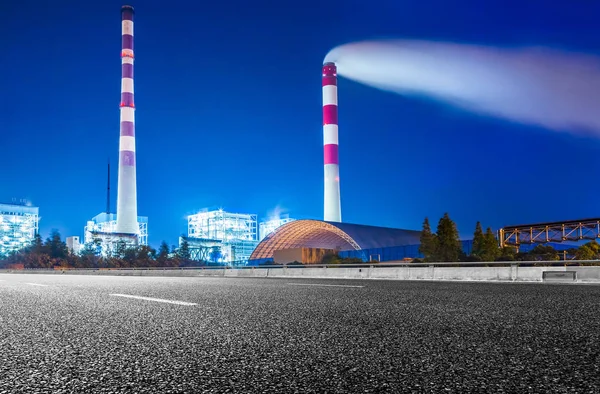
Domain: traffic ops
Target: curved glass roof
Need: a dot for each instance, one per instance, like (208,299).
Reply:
(331,235)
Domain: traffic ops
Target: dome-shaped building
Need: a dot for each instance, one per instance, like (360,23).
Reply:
(332,236)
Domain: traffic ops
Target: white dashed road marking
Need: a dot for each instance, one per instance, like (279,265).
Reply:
(318,284)
(36,284)
(154,299)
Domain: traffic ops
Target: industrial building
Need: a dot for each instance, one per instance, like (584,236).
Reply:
(266,227)
(221,237)
(102,232)
(18,226)
(332,237)
(74,244)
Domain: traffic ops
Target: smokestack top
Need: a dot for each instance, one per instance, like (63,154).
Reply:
(329,69)
(127,9)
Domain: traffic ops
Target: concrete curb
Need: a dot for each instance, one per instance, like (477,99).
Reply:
(509,274)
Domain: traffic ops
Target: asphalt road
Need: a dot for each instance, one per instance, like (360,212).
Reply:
(68,334)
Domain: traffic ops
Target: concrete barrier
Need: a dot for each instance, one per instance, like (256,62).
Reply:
(559,276)
(512,273)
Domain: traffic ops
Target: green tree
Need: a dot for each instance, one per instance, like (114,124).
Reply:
(183,252)
(478,242)
(145,256)
(88,257)
(428,245)
(584,252)
(55,247)
(130,256)
(448,243)
(544,253)
(163,255)
(507,253)
(490,250)
(331,258)
(174,260)
(37,246)
(595,246)
(89,248)
(588,251)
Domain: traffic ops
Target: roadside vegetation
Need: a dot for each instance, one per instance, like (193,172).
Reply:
(443,245)
(54,254)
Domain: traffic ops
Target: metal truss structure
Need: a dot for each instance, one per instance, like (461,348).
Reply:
(572,230)
(304,233)
(18,226)
(224,226)
(221,237)
(201,249)
(215,251)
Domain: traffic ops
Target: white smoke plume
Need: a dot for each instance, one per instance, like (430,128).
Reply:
(538,86)
(276,213)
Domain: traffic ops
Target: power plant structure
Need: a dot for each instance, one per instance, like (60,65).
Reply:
(18,226)
(266,227)
(309,241)
(332,205)
(100,233)
(221,237)
(108,230)
(74,244)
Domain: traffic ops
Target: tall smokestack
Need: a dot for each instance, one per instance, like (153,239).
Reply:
(333,210)
(126,191)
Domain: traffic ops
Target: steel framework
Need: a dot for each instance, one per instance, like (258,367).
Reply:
(223,226)
(303,233)
(201,249)
(572,230)
(232,236)
(216,251)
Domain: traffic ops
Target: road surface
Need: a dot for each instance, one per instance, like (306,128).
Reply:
(69,334)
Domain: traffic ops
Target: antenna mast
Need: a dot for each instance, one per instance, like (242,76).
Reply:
(108,190)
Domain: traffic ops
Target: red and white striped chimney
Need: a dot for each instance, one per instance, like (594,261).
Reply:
(332,206)
(127,188)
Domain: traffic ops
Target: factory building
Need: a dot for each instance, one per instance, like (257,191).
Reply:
(74,244)
(307,241)
(102,232)
(18,226)
(268,226)
(221,237)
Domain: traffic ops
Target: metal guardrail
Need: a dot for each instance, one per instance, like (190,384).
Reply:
(558,263)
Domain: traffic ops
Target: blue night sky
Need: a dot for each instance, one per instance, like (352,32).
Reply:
(228,98)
